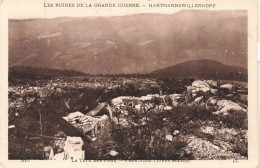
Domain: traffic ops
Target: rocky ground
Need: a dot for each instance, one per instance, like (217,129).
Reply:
(147,119)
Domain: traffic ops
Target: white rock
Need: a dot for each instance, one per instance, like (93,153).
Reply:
(94,139)
(169,137)
(117,101)
(175,98)
(72,116)
(198,99)
(176,132)
(213,91)
(212,83)
(113,153)
(227,86)
(226,105)
(200,85)
(138,107)
(167,108)
(194,95)
(11,126)
(212,101)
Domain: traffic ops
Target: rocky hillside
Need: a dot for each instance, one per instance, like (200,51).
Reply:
(129,118)
(138,43)
(208,121)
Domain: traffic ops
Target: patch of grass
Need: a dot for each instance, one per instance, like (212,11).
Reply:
(236,119)
(240,147)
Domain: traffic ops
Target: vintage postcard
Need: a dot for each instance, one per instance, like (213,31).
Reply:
(128,83)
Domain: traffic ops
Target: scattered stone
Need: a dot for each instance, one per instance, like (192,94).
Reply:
(94,139)
(167,108)
(176,132)
(11,126)
(169,137)
(113,153)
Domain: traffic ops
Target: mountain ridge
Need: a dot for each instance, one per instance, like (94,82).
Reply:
(203,69)
(139,43)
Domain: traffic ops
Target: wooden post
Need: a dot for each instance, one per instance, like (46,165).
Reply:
(41,132)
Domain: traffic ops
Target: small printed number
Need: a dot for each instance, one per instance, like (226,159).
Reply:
(25,160)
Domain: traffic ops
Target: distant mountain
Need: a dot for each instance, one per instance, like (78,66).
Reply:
(138,43)
(24,73)
(203,69)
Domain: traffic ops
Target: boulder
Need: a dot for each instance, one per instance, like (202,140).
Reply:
(200,85)
(117,102)
(224,106)
(198,101)
(214,91)
(212,101)
(212,83)
(227,86)
(175,99)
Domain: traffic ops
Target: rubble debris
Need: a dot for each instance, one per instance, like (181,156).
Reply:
(87,123)
(72,149)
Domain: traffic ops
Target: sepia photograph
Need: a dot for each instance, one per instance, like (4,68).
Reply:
(143,86)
